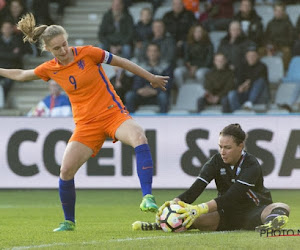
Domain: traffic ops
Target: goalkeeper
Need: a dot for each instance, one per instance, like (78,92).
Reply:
(242,203)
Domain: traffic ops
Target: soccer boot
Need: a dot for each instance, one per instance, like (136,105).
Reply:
(278,222)
(148,204)
(145,226)
(67,225)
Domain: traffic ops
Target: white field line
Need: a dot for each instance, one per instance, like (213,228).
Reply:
(108,241)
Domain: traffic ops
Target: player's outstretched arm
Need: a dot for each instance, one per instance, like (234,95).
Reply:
(191,212)
(156,81)
(19,74)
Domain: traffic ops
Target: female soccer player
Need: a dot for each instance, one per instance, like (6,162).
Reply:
(242,203)
(98,111)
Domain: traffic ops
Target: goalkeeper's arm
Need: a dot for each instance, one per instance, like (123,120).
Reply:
(191,212)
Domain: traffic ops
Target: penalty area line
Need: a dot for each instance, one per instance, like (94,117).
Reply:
(107,241)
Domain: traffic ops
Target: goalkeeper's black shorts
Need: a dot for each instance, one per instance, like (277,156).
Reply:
(246,220)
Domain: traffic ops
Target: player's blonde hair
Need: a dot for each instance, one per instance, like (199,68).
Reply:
(41,33)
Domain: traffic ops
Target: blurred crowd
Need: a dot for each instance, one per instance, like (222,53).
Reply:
(180,44)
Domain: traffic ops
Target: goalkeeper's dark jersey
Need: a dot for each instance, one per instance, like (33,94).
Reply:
(239,187)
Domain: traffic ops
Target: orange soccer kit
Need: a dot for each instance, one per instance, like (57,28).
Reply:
(97,110)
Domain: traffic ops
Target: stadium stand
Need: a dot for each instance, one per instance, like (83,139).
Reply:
(81,20)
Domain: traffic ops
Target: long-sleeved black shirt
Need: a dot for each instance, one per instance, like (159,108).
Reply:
(240,187)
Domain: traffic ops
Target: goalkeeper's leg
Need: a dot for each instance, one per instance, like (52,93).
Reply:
(207,222)
(274,216)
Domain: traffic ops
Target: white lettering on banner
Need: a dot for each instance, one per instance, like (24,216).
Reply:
(32,148)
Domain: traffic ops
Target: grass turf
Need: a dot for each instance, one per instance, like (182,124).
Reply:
(104,219)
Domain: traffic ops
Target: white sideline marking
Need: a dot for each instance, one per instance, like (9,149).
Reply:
(114,240)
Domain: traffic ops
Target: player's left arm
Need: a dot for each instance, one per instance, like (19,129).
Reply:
(230,200)
(156,81)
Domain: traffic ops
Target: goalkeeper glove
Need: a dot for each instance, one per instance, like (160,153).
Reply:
(191,212)
(160,210)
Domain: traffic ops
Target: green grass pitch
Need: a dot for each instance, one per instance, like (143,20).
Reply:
(104,219)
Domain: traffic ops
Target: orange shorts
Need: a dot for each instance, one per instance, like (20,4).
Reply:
(94,133)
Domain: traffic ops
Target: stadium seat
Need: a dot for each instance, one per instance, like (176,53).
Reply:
(145,112)
(161,11)
(275,68)
(293,11)
(285,92)
(216,37)
(211,112)
(187,98)
(277,112)
(265,12)
(154,108)
(244,112)
(109,70)
(260,108)
(293,72)
(178,112)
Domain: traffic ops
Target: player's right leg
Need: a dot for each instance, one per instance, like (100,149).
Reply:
(131,133)
(76,154)
(274,216)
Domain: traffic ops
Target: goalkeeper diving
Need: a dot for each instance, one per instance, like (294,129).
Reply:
(242,203)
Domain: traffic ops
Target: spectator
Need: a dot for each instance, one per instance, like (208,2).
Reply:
(142,92)
(56,104)
(253,84)
(218,82)
(178,22)
(15,11)
(122,82)
(164,40)
(279,34)
(10,52)
(218,14)
(2,9)
(234,46)
(143,29)
(198,57)
(116,30)
(192,5)
(41,12)
(250,22)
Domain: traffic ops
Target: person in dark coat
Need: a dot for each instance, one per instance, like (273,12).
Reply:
(116,30)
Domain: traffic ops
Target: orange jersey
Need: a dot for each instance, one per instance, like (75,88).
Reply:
(85,82)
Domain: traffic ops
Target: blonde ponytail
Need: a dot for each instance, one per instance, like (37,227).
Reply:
(27,25)
(42,34)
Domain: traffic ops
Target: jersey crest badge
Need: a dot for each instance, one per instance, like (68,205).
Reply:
(222,171)
(81,64)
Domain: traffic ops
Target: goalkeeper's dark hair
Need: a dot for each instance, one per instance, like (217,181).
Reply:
(234,130)
(41,33)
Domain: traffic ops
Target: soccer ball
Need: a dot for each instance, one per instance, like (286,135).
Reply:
(169,221)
